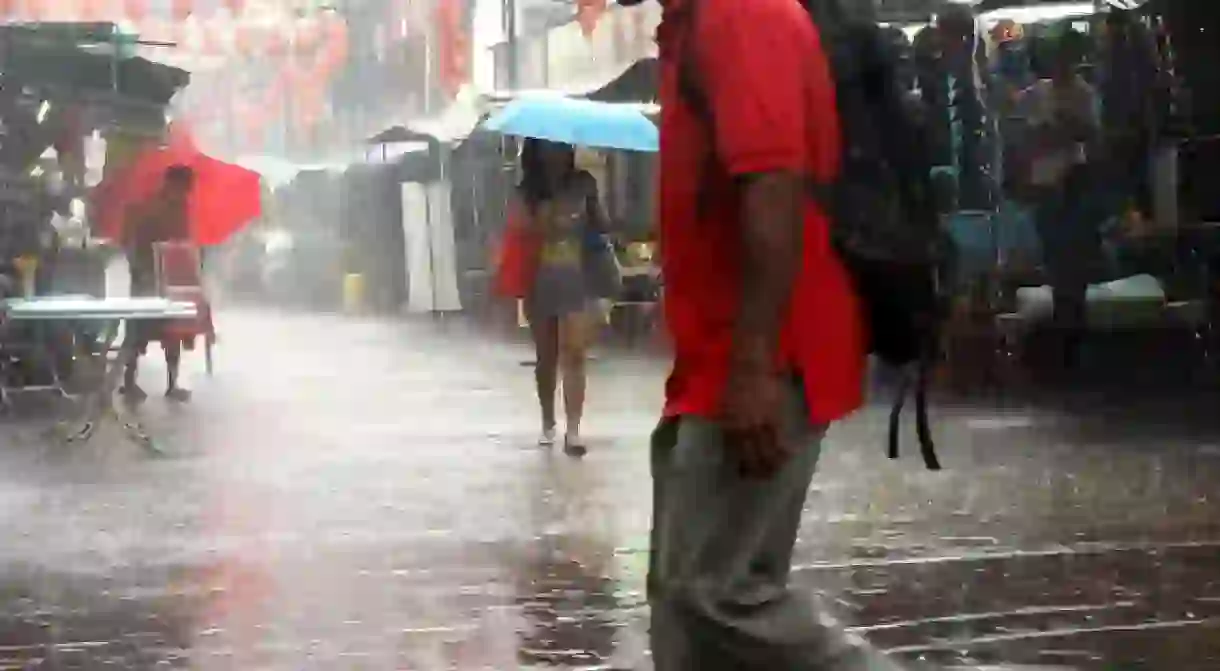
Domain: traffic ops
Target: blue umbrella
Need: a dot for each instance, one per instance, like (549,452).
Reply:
(577,122)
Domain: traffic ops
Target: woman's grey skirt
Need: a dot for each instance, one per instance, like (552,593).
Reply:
(558,291)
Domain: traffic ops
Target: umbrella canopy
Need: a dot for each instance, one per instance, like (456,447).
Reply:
(224,197)
(400,134)
(582,123)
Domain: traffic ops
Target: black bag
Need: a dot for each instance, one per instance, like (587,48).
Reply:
(603,272)
(883,212)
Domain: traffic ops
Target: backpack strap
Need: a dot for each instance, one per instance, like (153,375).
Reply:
(900,401)
(923,431)
(926,447)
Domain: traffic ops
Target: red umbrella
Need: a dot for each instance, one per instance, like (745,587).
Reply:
(224,198)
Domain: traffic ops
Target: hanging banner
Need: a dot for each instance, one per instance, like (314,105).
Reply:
(135,10)
(588,13)
(276,44)
(334,42)
(575,61)
(211,39)
(453,48)
(245,39)
(36,10)
(184,39)
(93,10)
(181,9)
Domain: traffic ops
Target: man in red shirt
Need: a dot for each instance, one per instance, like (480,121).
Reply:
(766,329)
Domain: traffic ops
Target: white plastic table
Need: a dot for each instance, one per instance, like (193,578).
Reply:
(109,316)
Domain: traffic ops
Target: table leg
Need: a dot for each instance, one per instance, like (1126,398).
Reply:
(93,399)
(100,402)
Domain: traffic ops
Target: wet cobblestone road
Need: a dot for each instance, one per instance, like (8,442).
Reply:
(359,495)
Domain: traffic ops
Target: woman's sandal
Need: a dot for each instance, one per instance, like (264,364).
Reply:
(574,447)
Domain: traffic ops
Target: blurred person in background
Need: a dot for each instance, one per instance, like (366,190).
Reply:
(1063,126)
(561,208)
(161,219)
(1134,96)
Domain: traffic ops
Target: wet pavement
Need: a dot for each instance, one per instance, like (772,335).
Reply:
(351,494)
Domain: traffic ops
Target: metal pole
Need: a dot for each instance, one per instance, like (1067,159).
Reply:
(438,151)
(510,35)
(428,62)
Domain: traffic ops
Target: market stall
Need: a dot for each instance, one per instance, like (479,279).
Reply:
(66,90)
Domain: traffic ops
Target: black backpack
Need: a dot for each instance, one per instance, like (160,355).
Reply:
(885,223)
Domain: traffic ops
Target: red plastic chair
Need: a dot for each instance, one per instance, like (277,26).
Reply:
(180,277)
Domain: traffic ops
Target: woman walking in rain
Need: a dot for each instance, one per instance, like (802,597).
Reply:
(560,209)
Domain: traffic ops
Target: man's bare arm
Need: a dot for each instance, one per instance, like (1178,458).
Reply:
(772,238)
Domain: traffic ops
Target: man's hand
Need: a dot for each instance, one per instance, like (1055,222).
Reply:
(752,431)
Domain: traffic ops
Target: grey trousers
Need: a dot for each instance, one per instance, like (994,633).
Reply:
(721,554)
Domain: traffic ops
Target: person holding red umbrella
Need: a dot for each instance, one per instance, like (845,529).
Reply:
(173,193)
(223,198)
(162,218)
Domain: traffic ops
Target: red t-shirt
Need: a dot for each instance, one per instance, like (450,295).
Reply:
(763,73)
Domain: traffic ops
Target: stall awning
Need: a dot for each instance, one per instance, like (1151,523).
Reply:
(638,83)
(452,125)
(85,59)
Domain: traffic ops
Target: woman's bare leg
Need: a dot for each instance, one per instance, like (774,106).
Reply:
(574,334)
(545,333)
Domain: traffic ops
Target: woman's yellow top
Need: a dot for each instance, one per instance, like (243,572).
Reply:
(561,221)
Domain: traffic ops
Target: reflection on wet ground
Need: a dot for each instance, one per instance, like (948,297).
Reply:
(349,495)
(1070,607)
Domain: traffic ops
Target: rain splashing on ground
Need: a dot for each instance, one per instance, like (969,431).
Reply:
(366,495)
